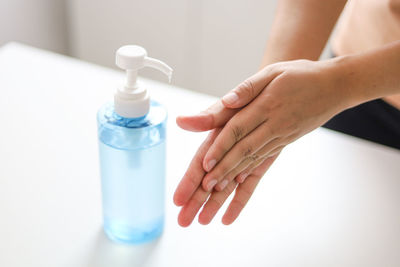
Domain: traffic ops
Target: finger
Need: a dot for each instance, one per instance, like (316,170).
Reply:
(244,165)
(247,166)
(230,176)
(245,92)
(214,203)
(243,193)
(190,209)
(246,148)
(241,177)
(234,130)
(215,116)
(195,173)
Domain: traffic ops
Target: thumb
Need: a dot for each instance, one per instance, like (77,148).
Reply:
(213,117)
(248,90)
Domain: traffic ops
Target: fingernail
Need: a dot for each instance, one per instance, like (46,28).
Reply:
(242,177)
(198,114)
(203,113)
(223,184)
(211,164)
(211,184)
(230,98)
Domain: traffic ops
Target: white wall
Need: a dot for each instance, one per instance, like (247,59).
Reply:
(40,23)
(211,44)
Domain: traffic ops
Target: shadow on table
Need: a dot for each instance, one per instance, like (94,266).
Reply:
(108,253)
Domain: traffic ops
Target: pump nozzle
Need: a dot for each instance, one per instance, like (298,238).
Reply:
(132,58)
(132,101)
(158,64)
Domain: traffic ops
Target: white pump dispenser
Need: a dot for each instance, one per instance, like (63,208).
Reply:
(132,100)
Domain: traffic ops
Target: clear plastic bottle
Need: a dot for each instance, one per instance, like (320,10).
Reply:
(132,165)
(132,143)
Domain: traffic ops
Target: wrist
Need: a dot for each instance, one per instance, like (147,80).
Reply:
(346,81)
(368,75)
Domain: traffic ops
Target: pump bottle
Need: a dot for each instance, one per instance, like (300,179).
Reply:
(132,132)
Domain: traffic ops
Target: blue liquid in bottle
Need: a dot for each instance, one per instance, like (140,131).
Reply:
(132,168)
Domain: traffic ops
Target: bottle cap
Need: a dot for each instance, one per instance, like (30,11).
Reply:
(132,100)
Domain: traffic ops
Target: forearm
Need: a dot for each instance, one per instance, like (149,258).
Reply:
(301,29)
(366,76)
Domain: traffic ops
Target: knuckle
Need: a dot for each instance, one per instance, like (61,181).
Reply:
(193,181)
(247,151)
(237,132)
(198,198)
(247,192)
(218,201)
(284,78)
(247,88)
(254,157)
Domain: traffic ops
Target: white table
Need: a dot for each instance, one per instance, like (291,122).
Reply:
(329,200)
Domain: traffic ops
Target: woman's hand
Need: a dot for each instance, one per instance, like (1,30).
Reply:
(271,109)
(291,98)
(286,100)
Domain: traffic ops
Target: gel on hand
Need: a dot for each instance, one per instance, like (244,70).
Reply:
(132,133)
